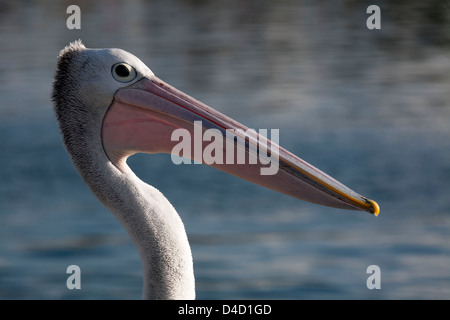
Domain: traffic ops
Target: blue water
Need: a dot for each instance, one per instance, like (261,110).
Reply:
(371,108)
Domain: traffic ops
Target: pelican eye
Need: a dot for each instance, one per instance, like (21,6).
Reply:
(123,72)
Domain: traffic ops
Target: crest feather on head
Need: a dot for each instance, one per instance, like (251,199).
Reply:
(74,46)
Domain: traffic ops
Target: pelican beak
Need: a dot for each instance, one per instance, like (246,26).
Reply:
(153,117)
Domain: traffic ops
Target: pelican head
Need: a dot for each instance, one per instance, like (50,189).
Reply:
(113,95)
(110,105)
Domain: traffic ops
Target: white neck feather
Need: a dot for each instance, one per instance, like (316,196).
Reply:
(153,224)
(160,237)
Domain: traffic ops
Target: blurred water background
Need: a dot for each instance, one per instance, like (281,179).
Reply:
(369,107)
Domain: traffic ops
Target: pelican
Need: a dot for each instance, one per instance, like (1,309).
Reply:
(109,106)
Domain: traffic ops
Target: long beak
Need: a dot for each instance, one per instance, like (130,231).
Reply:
(153,117)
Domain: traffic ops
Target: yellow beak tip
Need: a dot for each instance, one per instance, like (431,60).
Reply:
(375,207)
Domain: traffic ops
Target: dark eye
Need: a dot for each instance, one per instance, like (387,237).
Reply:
(123,72)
